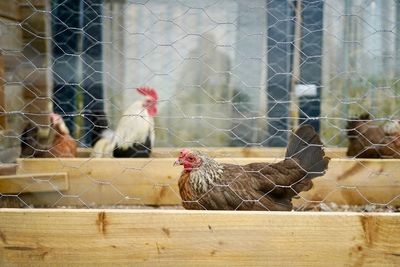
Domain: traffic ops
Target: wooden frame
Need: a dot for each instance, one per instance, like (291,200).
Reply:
(8,168)
(10,10)
(33,183)
(33,16)
(154,181)
(3,120)
(197,238)
(236,152)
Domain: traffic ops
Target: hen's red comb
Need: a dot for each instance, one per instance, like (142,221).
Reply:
(148,91)
(185,151)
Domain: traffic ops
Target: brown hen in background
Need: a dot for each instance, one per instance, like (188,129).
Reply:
(369,139)
(48,142)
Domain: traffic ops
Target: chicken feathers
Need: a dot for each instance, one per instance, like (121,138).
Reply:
(369,139)
(135,135)
(207,184)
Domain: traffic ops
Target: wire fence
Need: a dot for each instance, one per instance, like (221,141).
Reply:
(229,80)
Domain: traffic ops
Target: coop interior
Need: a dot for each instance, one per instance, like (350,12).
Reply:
(157,114)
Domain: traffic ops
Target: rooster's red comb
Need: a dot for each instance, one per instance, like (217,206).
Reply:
(148,91)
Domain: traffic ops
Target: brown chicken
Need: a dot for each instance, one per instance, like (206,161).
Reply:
(369,139)
(207,184)
(54,141)
(63,146)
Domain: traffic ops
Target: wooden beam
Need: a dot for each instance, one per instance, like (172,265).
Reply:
(108,181)
(226,152)
(35,24)
(154,181)
(33,183)
(10,10)
(356,182)
(3,118)
(7,169)
(197,238)
(84,152)
(36,3)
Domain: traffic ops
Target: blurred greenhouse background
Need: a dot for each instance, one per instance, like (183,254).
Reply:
(212,63)
(226,71)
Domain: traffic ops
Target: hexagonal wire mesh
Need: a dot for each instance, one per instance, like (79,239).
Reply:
(232,79)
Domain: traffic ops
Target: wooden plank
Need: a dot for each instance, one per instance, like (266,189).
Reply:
(36,84)
(84,152)
(35,18)
(35,23)
(107,181)
(11,34)
(154,181)
(357,182)
(34,31)
(33,183)
(37,110)
(226,152)
(245,152)
(8,169)
(2,95)
(39,4)
(9,10)
(197,238)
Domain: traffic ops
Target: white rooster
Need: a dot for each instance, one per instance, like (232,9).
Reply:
(134,136)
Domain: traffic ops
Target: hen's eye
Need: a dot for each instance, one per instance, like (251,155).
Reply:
(191,158)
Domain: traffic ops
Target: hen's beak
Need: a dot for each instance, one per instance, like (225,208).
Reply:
(178,162)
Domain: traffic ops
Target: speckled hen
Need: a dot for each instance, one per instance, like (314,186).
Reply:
(208,184)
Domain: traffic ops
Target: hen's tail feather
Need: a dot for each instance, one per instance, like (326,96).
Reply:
(305,145)
(108,134)
(103,149)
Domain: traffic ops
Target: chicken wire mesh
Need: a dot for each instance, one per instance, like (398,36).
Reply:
(229,75)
